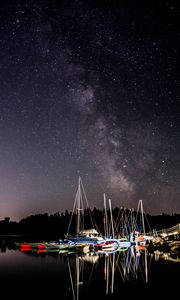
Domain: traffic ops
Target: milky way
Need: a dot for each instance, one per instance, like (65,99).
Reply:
(89,89)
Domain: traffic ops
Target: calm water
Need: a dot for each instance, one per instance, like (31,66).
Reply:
(87,276)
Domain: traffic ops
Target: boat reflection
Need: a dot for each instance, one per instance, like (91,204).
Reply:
(118,267)
(108,272)
(129,264)
(79,266)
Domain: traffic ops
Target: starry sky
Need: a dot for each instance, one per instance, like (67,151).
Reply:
(90,89)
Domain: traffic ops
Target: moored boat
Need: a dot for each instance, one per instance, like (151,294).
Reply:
(107,244)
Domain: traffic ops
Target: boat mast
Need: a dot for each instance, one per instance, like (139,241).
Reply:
(79,208)
(106,231)
(140,206)
(112,226)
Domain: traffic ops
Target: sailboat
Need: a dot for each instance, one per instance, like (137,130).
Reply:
(88,236)
(139,237)
(109,244)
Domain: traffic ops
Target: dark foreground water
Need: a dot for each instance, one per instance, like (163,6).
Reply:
(132,274)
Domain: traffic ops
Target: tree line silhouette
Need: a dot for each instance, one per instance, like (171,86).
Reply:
(56,225)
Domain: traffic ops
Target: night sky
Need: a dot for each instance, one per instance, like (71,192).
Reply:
(90,89)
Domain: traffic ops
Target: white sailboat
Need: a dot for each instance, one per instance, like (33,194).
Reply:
(109,244)
(88,236)
(139,237)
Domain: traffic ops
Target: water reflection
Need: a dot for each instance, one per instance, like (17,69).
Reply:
(79,275)
(129,264)
(115,268)
(166,255)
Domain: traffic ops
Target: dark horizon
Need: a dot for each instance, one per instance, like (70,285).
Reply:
(58,222)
